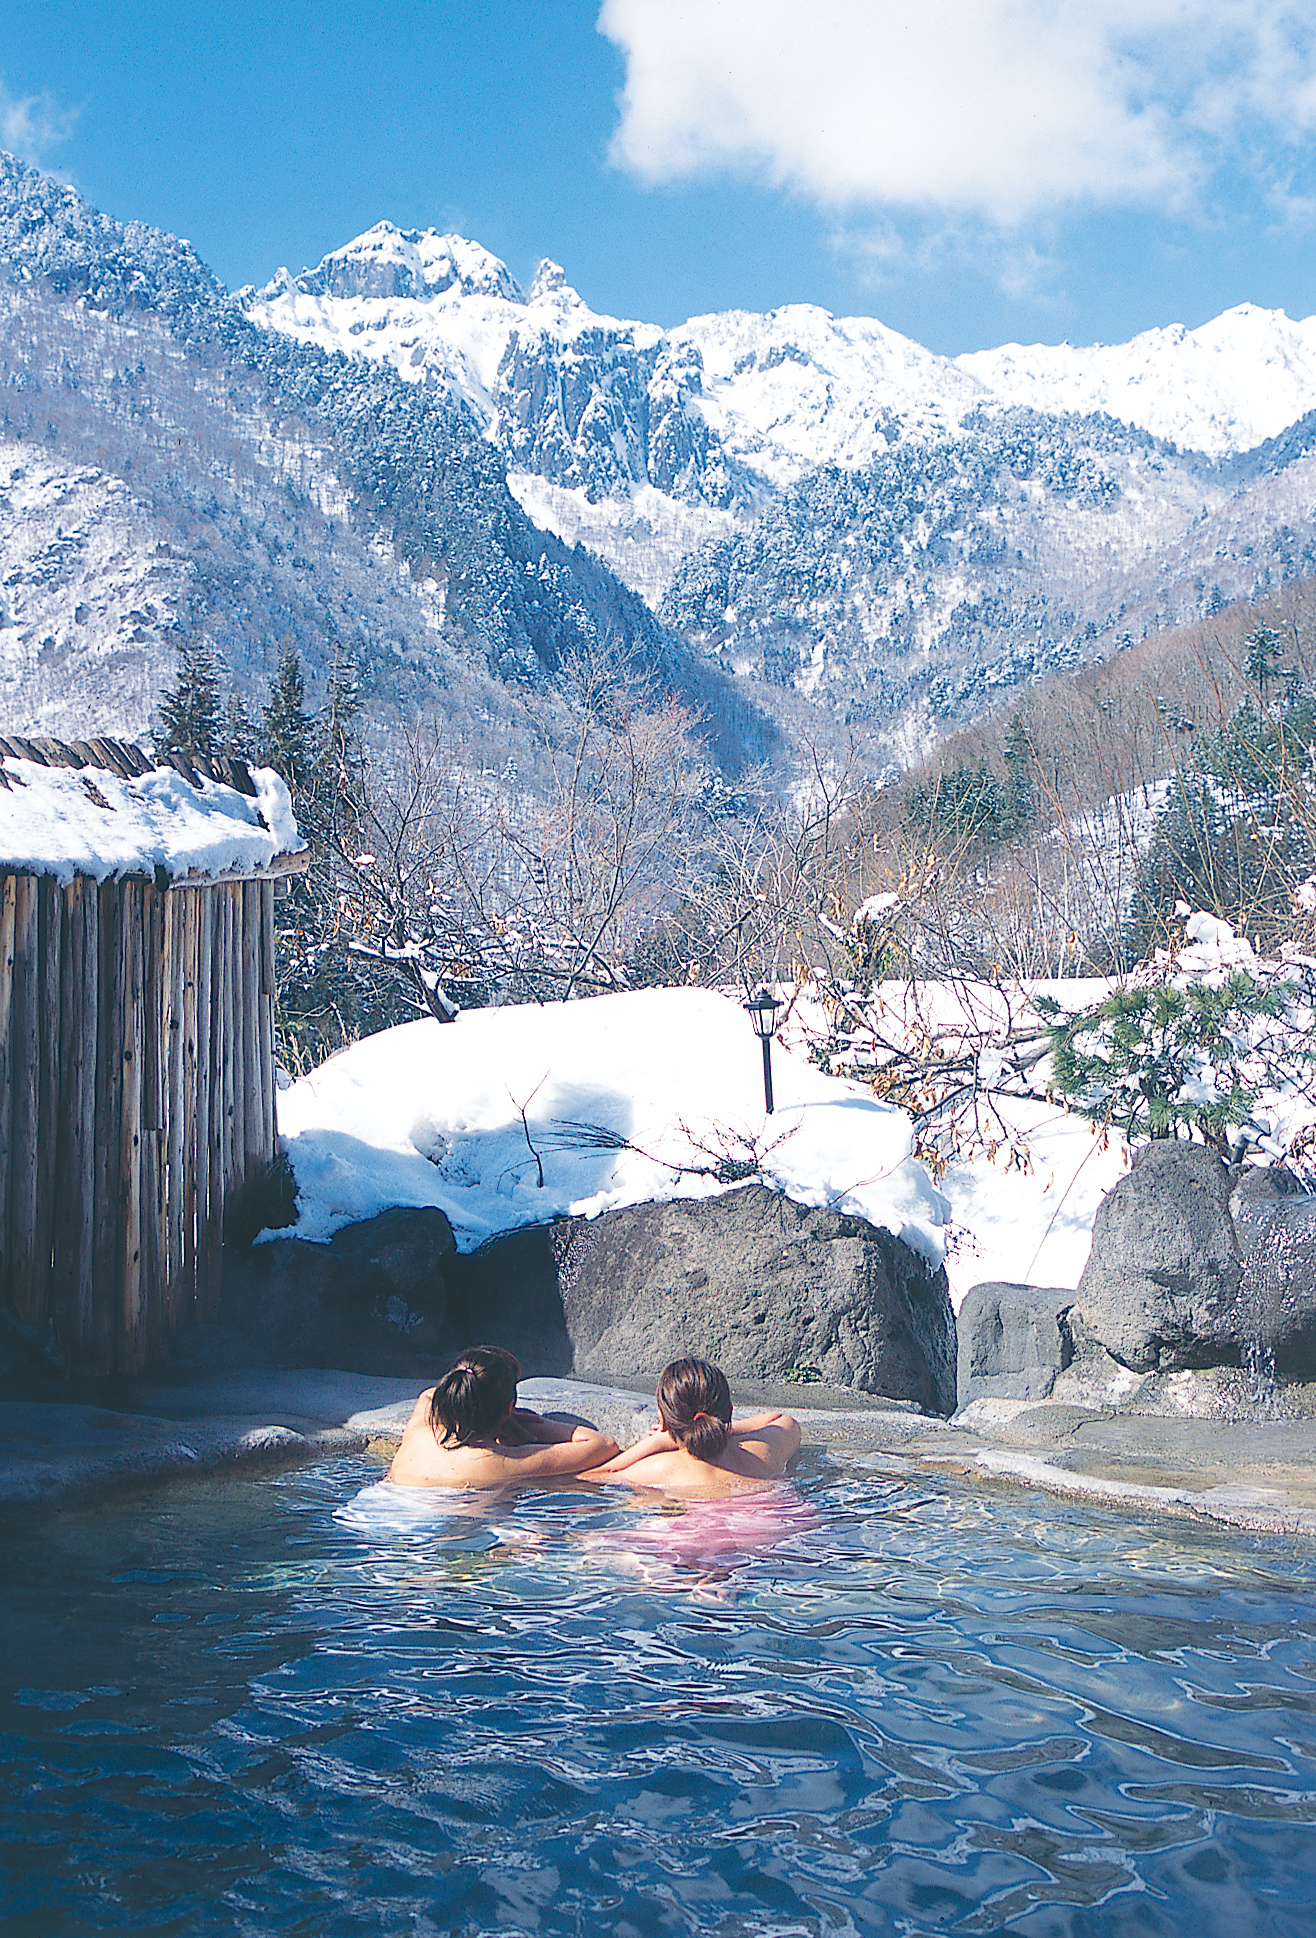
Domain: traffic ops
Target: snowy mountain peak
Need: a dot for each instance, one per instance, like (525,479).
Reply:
(388,262)
(551,280)
(1225,386)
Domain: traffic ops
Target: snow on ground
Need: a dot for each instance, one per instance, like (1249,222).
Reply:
(1030,1223)
(644,1096)
(1024,1215)
(626,1098)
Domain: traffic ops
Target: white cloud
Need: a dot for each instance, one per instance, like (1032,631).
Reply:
(31,125)
(991,109)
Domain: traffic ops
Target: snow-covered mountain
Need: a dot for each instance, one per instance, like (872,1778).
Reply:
(641,442)
(829,523)
(1222,389)
(168,470)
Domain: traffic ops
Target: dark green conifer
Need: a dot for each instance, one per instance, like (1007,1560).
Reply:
(190,717)
(287,741)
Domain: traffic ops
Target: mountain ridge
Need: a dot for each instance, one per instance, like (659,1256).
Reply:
(645,444)
(94,306)
(807,569)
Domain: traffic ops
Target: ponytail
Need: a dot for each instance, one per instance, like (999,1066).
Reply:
(474,1396)
(695,1402)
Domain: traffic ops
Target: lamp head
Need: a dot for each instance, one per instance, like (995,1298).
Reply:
(762,1012)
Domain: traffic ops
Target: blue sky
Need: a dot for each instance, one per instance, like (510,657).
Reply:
(970,171)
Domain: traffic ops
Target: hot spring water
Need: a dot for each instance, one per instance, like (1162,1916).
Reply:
(294,1705)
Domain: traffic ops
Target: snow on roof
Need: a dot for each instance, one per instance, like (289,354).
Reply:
(652,1095)
(104,809)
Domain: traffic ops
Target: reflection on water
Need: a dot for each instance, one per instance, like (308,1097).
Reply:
(297,1705)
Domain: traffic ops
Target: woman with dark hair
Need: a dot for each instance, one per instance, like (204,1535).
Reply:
(694,1451)
(468,1431)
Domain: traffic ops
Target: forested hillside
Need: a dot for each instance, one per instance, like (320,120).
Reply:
(258,489)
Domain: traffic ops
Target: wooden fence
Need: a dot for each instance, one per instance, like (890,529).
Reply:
(136,1101)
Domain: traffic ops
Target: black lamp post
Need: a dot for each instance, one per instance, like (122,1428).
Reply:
(762,1011)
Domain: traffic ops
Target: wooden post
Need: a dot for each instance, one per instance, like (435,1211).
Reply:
(174,1012)
(269,1128)
(238,1029)
(82,1000)
(26,1067)
(130,1353)
(196,1100)
(73,1189)
(150,1160)
(228,972)
(211,986)
(257,1156)
(8,890)
(50,924)
(109,997)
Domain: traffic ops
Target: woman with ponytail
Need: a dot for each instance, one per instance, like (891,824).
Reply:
(468,1431)
(695,1452)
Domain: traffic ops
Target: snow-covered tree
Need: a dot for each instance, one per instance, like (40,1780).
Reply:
(191,713)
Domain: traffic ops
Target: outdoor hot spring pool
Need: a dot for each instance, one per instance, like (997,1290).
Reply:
(285,1704)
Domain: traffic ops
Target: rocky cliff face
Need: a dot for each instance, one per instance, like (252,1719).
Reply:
(256,489)
(830,509)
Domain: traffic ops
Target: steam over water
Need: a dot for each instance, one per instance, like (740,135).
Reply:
(304,1704)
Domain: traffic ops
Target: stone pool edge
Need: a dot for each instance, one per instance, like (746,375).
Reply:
(1258,1476)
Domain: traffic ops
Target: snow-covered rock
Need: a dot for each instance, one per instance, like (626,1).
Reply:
(1225,387)
(513,1116)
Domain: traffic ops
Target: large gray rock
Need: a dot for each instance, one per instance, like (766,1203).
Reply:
(1161,1288)
(767,1288)
(1275,1223)
(1013,1341)
(376,1299)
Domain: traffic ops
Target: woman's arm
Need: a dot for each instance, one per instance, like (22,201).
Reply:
(579,1449)
(525,1428)
(775,1435)
(658,1441)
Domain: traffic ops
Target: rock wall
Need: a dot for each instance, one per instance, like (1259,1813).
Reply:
(1192,1267)
(769,1289)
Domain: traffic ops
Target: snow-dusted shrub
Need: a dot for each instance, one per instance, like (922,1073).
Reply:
(1209,1041)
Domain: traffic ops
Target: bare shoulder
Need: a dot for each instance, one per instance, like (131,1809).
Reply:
(653,1470)
(766,1443)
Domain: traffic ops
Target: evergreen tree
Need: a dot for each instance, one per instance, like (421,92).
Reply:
(1184,1058)
(1019,797)
(190,717)
(964,805)
(239,730)
(1262,657)
(288,733)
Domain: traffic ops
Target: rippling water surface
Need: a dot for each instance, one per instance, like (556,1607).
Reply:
(304,1705)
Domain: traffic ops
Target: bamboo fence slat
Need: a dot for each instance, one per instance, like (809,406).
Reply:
(137,1101)
(25,1081)
(7,899)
